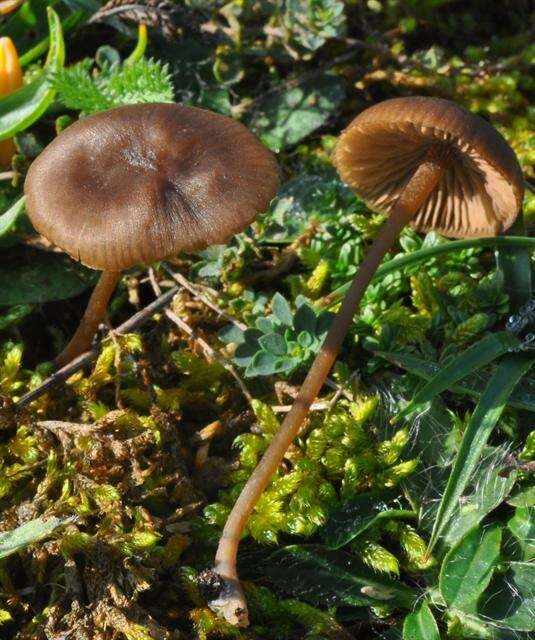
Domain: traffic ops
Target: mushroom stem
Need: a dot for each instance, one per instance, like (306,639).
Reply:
(231,602)
(93,316)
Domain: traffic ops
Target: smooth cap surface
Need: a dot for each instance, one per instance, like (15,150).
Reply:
(480,193)
(139,183)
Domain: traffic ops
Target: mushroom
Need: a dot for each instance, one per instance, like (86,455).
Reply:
(139,183)
(421,160)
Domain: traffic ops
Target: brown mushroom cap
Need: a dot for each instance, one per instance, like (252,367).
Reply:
(139,183)
(481,191)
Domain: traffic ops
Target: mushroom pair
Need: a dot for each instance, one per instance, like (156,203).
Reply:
(137,184)
(423,161)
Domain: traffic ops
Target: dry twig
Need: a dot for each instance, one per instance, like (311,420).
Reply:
(137,320)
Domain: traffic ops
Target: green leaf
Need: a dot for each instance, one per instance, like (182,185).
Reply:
(28,533)
(273,343)
(478,355)
(282,310)
(354,516)
(23,107)
(305,319)
(468,567)
(483,421)
(509,602)
(515,264)
(522,526)
(40,277)
(9,217)
(283,119)
(522,397)
(420,624)
(489,488)
(333,578)
(522,497)
(262,364)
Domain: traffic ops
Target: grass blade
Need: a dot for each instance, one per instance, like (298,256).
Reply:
(418,257)
(9,217)
(515,263)
(478,355)
(28,533)
(523,396)
(483,421)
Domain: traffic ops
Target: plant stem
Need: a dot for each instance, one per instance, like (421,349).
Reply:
(231,603)
(93,316)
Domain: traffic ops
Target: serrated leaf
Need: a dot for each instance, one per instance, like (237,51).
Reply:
(28,533)
(333,578)
(468,567)
(420,624)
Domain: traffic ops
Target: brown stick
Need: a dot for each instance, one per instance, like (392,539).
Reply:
(231,602)
(93,316)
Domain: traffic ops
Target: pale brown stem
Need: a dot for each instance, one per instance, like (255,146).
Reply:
(93,316)
(231,603)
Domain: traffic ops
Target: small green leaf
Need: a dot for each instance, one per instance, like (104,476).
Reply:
(23,107)
(283,119)
(468,567)
(273,343)
(262,364)
(356,515)
(333,578)
(282,310)
(304,339)
(9,217)
(305,319)
(32,531)
(420,624)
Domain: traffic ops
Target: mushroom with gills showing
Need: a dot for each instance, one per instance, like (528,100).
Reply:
(140,183)
(424,161)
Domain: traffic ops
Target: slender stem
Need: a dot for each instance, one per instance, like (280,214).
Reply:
(93,316)
(234,609)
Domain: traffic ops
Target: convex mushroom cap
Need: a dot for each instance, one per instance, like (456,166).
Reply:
(139,183)
(481,190)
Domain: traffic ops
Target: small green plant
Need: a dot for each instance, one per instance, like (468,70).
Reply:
(280,342)
(89,89)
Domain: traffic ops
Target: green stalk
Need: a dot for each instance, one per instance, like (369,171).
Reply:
(422,255)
